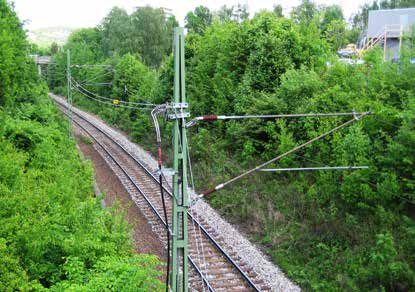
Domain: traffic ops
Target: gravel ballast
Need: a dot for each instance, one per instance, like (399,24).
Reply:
(233,239)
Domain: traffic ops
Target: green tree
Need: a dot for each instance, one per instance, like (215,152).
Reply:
(147,31)
(152,35)
(329,14)
(236,13)
(336,34)
(241,13)
(305,12)
(278,10)
(54,48)
(225,13)
(116,29)
(198,20)
(14,70)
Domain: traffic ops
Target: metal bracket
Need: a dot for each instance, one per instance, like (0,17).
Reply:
(179,105)
(178,116)
(166,171)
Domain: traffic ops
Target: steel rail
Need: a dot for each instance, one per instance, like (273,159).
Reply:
(205,281)
(205,232)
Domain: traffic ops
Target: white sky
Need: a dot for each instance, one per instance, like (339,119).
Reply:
(88,13)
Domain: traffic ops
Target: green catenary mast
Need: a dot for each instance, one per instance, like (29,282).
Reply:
(69,85)
(179,278)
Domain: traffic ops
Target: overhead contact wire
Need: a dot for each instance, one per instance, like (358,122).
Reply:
(109,103)
(112,99)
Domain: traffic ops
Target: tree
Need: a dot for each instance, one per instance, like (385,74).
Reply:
(241,13)
(147,31)
(16,68)
(304,12)
(54,48)
(225,13)
(336,34)
(115,29)
(198,20)
(278,10)
(232,13)
(35,49)
(329,14)
(85,46)
(360,19)
(151,35)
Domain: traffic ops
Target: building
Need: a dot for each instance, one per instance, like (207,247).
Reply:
(388,28)
(41,61)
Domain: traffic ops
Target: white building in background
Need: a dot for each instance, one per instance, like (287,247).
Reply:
(388,28)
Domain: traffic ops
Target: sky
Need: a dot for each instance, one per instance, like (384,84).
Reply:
(88,13)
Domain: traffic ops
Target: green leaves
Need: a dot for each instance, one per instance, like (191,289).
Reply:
(147,32)
(54,230)
(198,20)
(384,266)
(54,234)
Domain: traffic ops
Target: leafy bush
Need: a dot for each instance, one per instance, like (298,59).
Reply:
(54,234)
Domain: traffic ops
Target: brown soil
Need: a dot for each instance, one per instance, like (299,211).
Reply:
(145,241)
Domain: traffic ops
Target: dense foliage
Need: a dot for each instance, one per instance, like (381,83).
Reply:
(338,230)
(147,31)
(54,234)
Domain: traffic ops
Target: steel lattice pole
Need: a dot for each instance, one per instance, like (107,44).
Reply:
(179,278)
(69,85)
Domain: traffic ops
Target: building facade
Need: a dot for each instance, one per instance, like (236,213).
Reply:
(388,29)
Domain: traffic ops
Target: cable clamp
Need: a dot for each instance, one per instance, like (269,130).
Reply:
(355,116)
(193,122)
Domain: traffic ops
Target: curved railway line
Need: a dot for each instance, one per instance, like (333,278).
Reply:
(211,267)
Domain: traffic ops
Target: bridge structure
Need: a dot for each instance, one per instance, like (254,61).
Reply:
(41,61)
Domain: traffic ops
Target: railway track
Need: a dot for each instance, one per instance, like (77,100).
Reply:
(212,267)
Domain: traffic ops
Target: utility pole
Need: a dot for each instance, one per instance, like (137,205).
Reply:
(179,271)
(69,85)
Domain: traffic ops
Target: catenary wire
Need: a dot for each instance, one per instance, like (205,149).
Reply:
(220,186)
(370,183)
(109,103)
(111,99)
(224,117)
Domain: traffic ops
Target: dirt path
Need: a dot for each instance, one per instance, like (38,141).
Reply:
(145,241)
